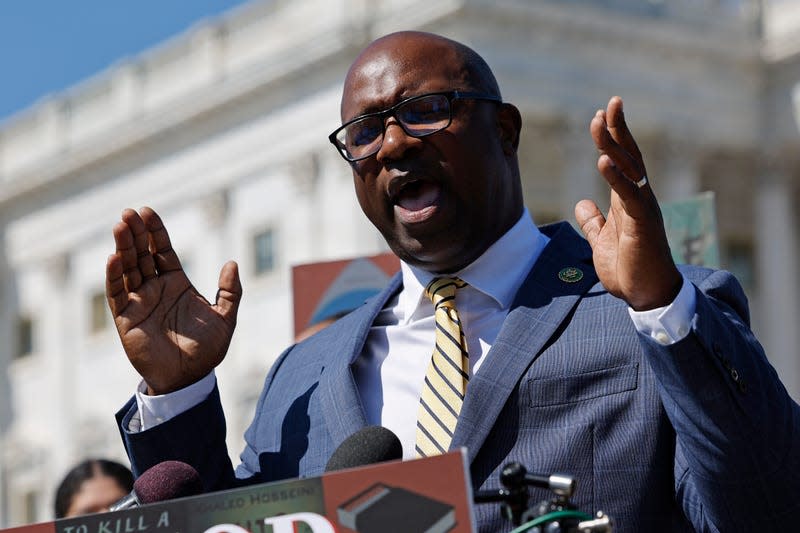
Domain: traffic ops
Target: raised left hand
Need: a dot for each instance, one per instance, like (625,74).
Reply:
(630,250)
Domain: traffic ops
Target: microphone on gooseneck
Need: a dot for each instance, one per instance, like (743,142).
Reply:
(164,481)
(369,445)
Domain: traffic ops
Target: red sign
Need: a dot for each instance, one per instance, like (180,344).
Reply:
(431,495)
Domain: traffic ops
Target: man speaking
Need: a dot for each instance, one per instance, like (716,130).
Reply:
(595,356)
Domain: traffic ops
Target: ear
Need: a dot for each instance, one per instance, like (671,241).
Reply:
(509,124)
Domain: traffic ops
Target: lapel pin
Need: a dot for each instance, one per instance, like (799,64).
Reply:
(570,275)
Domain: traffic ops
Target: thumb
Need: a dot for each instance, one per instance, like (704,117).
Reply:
(590,219)
(230,292)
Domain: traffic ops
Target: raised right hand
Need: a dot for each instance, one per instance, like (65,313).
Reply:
(171,334)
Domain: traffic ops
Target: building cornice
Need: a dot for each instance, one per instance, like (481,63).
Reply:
(238,55)
(47,144)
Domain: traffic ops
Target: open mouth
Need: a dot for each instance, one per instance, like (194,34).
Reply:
(415,200)
(417,195)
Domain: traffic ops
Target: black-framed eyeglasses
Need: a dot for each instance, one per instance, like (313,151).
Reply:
(418,116)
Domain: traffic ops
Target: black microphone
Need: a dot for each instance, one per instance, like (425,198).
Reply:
(369,445)
(164,481)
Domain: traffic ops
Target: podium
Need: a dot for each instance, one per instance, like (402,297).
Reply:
(431,495)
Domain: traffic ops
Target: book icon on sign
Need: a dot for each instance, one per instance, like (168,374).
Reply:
(385,509)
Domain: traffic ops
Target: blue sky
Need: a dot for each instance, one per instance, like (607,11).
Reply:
(49,45)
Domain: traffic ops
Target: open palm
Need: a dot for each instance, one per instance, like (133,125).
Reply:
(630,249)
(171,334)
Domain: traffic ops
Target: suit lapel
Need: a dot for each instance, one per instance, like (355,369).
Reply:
(542,303)
(341,403)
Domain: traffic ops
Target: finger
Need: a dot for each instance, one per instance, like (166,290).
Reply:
(126,250)
(615,117)
(116,295)
(166,260)
(144,259)
(590,219)
(629,194)
(632,169)
(230,292)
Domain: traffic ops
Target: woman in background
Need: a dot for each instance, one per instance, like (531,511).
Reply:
(91,487)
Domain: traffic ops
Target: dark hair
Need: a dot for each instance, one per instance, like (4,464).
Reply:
(88,469)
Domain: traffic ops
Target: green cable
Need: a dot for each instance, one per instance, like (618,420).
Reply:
(555,515)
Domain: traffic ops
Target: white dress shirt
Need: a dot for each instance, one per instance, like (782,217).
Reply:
(390,380)
(390,372)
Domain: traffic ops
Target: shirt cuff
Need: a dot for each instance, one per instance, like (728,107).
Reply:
(154,410)
(669,324)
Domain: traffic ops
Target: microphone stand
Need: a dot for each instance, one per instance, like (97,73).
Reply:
(513,498)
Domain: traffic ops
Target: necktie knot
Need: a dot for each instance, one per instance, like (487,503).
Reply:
(442,291)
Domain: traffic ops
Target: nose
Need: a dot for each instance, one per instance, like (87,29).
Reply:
(396,142)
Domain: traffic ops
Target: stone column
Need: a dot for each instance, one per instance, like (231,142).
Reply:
(7,303)
(778,272)
(308,224)
(681,179)
(60,328)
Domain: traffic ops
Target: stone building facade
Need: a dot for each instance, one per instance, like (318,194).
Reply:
(223,131)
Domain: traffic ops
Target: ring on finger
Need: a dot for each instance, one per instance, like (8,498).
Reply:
(642,181)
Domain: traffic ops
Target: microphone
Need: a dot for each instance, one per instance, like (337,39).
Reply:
(164,481)
(369,445)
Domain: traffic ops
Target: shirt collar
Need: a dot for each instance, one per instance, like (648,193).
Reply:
(513,254)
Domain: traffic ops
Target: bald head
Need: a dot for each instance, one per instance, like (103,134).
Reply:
(421,53)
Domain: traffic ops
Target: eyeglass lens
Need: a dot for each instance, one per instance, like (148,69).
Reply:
(418,117)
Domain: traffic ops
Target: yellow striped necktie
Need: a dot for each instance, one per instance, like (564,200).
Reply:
(446,380)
